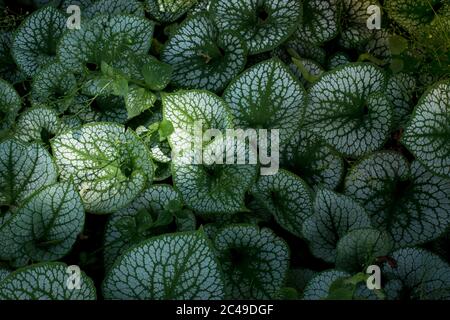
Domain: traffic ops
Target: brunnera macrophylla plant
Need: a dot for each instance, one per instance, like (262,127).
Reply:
(100,198)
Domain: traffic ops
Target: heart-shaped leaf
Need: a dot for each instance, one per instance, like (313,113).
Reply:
(24,168)
(334,216)
(287,197)
(153,201)
(321,23)
(354,19)
(318,288)
(360,248)
(46,281)
(34,44)
(186,269)
(255,261)
(45,227)
(428,134)
(109,164)
(418,274)
(267,96)
(138,100)
(407,201)
(262,24)
(202,57)
(157,75)
(54,86)
(348,109)
(314,161)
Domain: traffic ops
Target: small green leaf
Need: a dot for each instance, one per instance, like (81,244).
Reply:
(157,74)
(186,264)
(405,200)
(10,104)
(397,44)
(267,96)
(137,100)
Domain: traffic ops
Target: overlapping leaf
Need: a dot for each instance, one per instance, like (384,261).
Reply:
(168,10)
(106,39)
(334,216)
(206,186)
(113,7)
(201,57)
(311,159)
(38,124)
(45,227)
(8,68)
(109,164)
(360,248)
(354,19)
(287,197)
(418,274)
(321,23)
(24,168)
(34,44)
(10,104)
(173,266)
(428,133)
(262,24)
(319,286)
(267,96)
(45,281)
(400,92)
(54,86)
(133,224)
(406,200)
(255,261)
